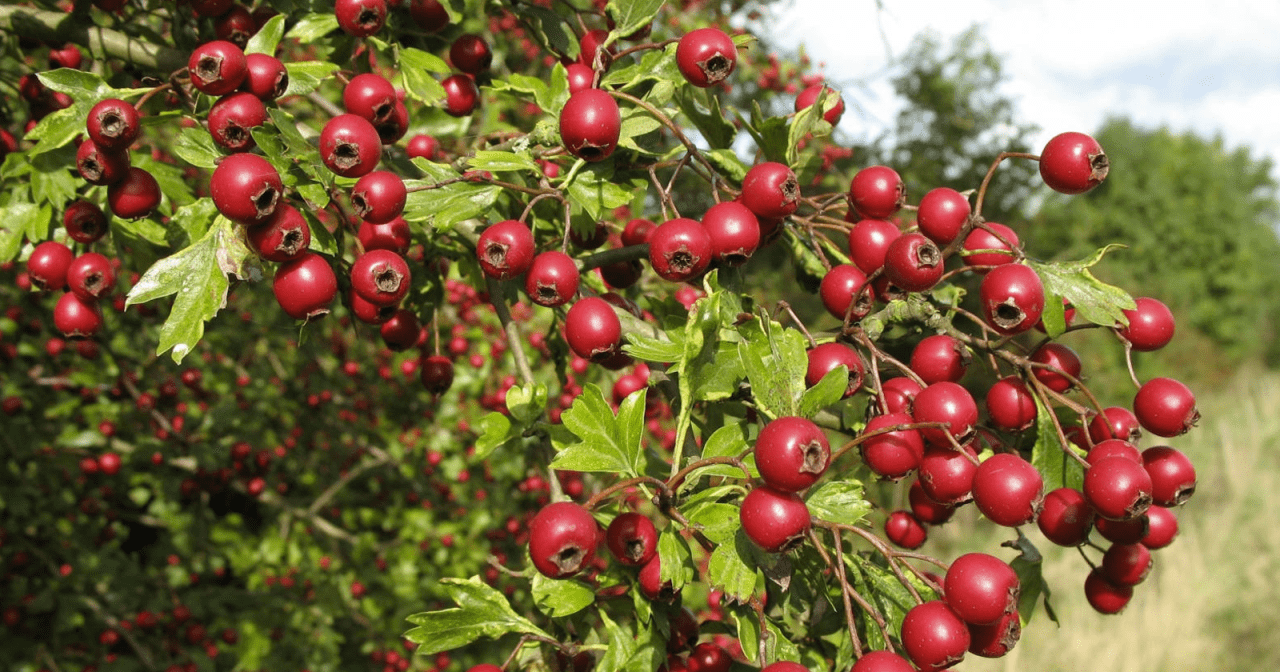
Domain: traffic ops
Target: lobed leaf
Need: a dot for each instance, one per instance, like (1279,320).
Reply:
(482,612)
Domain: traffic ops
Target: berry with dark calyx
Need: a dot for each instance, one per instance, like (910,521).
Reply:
(266,77)
(84,221)
(823,358)
(869,242)
(580,77)
(235,26)
(1115,422)
(590,124)
(562,539)
(350,146)
(592,330)
(995,640)
(462,97)
(649,579)
(1113,448)
(284,237)
(1010,405)
(470,54)
(1165,407)
(632,539)
(706,56)
(430,15)
(506,250)
(370,96)
(774,520)
(877,192)
(369,313)
(791,453)
(809,96)
(394,236)
(401,331)
(1012,298)
(1057,360)
(770,190)
(380,277)
(900,394)
(379,197)
(1126,564)
(436,373)
(1066,517)
(948,403)
(1123,531)
(1008,490)
(882,661)
(994,251)
(113,124)
(552,280)
(940,357)
(305,287)
(76,317)
(1150,326)
(679,249)
(1173,477)
(891,453)
(934,637)
(926,510)
(622,274)
(946,475)
(101,166)
(734,231)
(47,266)
(981,588)
(942,215)
(1073,163)
(232,117)
(217,68)
(360,18)
(913,263)
(904,530)
(134,197)
(1117,488)
(90,276)
(246,188)
(1162,528)
(1104,596)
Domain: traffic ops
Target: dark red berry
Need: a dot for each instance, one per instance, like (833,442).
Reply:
(552,280)
(846,293)
(934,637)
(379,197)
(246,188)
(1066,517)
(113,124)
(266,77)
(1104,596)
(430,15)
(948,403)
(231,119)
(589,48)
(680,249)
(437,374)
(734,231)
(984,248)
(869,243)
(1117,488)
(913,263)
(305,287)
(401,331)
(995,640)
(592,329)
(1010,405)
(1060,366)
(380,277)
(882,661)
(461,95)
(809,96)
(470,54)
(770,190)
(1126,564)
(706,56)
(891,453)
(235,26)
(84,221)
(580,77)
(926,510)
(774,520)
(422,146)
(1150,327)
(350,146)
(1073,163)
(562,539)
(370,96)
(101,166)
(900,394)
(217,68)
(90,276)
(1123,531)
(47,266)
(946,475)
(1173,477)
(506,250)
(394,236)
(632,539)
(284,237)
(76,317)
(940,357)
(823,358)
(1162,528)
(904,530)
(360,18)
(1115,422)
(134,197)
(1113,448)
(981,588)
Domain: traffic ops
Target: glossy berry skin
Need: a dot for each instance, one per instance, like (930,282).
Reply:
(891,454)
(1126,564)
(305,287)
(430,15)
(809,96)
(598,235)
(590,124)
(948,403)
(995,640)
(1106,597)
(1165,407)
(774,520)
(1123,531)
(113,124)
(1012,298)
(380,277)
(981,239)
(706,56)
(791,453)
(246,189)
(552,280)
(562,539)
(1151,325)
(940,357)
(506,250)
(1010,404)
(637,232)
(1173,477)
(902,528)
(981,588)
(823,358)
(101,166)
(1113,448)
(845,292)
(913,263)
(900,394)
(470,54)
(784,666)
(1058,360)
(370,96)
(877,192)
(284,237)
(436,373)
(1117,488)
(393,235)
(350,146)
(360,18)
(770,190)
(592,329)
(680,249)
(734,232)
(946,475)
(926,510)
(231,119)
(869,243)
(1073,163)
(134,197)
(934,637)
(1066,517)
(401,331)
(589,48)
(379,197)
(708,657)
(1162,528)
(84,222)
(649,580)
(90,276)
(422,146)
(235,26)
(47,266)
(462,97)
(882,661)
(1115,422)
(76,317)
(217,68)
(942,215)
(580,77)
(1008,490)
(266,77)
(632,539)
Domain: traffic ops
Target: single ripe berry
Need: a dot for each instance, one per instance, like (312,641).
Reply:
(47,266)
(266,77)
(370,96)
(430,15)
(1010,404)
(246,188)
(680,249)
(380,277)
(592,329)
(1150,327)
(981,588)
(637,232)
(90,276)
(101,166)
(590,124)
(810,95)
(235,26)
(84,221)
(734,232)
(379,197)
(900,394)
(770,190)
(217,68)
(1066,517)
(774,520)
(882,661)
(983,247)
(552,280)
(904,530)
(706,56)
(1173,477)
(940,357)
(888,452)
(1162,528)
(869,242)
(934,637)
(791,453)
(305,287)
(1113,448)
(650,582)
(506,250)
(926,510)
(914,263)
(360,18)
(1060,366)
(942,215)
(1115,422)
(997,639)
(134,197)
(436,372)
(401,331)
(877,192)
(562,539)
(76,317)
(1165,407)
(823,358)
(113,124)
(709,657)
(948,403)
(946,475)
(580,77)
(846,293)
(632,539)
(1126,564)
(422,146)
(1008,490)
(1012,298)
(350,146)
(231,119)
(470,54)
(284,237)
(1104,596)
(1073,163)
(462,97)
(1117,488)
(589,49)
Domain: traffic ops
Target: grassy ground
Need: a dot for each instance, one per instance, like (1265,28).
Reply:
(1212,601)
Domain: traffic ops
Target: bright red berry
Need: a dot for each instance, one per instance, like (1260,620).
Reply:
(877,192)
(1165,407)
(680,249)
(113,124)
(706,56)
(1012,298)
(981,588)
(217,68)
(791,453)
(305,287)
(562,539)
(1073,163)
(506,250)
(942,215)
(590,124)
(774,520)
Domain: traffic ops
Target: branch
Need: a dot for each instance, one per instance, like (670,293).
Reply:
(102,43)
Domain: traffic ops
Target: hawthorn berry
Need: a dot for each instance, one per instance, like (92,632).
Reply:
(47,266)
(470,54)
(949,403)
(650,582)
(824,358)
(942,215)
(84,221)
(940,357)
(632,539)
(904,530)
(266,77)
(370,96)
(774,520)
(877,192)
(1010,404)
(1073,163)
(934,637)
(1104,596)
(1113,448)
(995,640)
(680,249)
(589,49)
(231,118)
(462,97)
(900,394)
(379,197)
(380,277)
(709,657)
(100,166)
(90,276)
(891,453)
(562,539)
(882,661)
(1008,490)
(1173,477)
(1165,407)
(305,287)
(869,242)
(946,475)
(134,197)
(1150,326)
(113,124)
(422,146)
(1059,366)
(734,232)
(436,373)
(1115,422)
(1117,488)
(552,279)
(590,124)
(1012,298)
(791,453)
(246,188)
(76,317)
(926,510)
(401,331)
(506,250)
(284,237)
(1126,564)
(706,56)
(770,190)
(430,15)
(810,95)
(394,236)
(350,146)
(360,18)
(981,588)
(217,68)
(592,330)
(913,263)
(1162,527)
(846,294)
(989,246)
(1123,531)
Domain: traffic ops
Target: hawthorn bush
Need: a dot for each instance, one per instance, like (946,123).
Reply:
(589,432)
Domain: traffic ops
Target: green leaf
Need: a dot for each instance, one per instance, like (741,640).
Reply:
(445,206)
(313,27)
(79,84)
(58,128)
(651,349)
(719,522)
(51,182)
(1029,566)
(838,502)
(675,556)
(195,146)
(728,162)
(658,65)
(267,38)
(717,374)
(495,430)
(703,109)
(593,189)
(195,218)
(775,362)
(631,15)
(636,122)
(809,121)
(1093,299)
(606,443)
(550,29)
(503,162)
(143,229)
(731,568)
(481,612)
(22,219)
(828,391)
(1058,469)
(527,403)
(561,597)
(306,76)
(769,133)
(416,67)
(1054,316)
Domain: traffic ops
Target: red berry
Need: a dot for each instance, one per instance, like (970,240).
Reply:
(437,374)
(113,124)
(380,277)
(680,249)
(1056,360)
(1066,517)
(1126,564)
(1117,488)
(590,124)
(580,77)
(949,403)
(708,657)
(981,588)
(900,394)
(1073,163)
(1150,325)
(1123,531)
(774,520)
(470,54)
(1106,597)
(305,287)
(877,192)
(266,77)
(882,661)
(506,250)
(823,358)
(913,263)
(1173,477)
(946,475)
(734,232)
(379,197)
(940,357)
(75,317)
(461,95)
(598,235)
(350,146)
(995,250)
(891,453)
(904,530)
(1165,407)
(47,266)
(552,280)
(649,579)
(995,640)
(101,166)
(562,539)
(809,96)
(770,190)
(394,236)
(632,539)
(791,453)
(360,18)
(232,117)
(217,68)
(869,242)
(942,215)
(422,146)
(1162,528)
(1012,298)
(246,188)
(933,635)
(1113,448)
(589,48)
(592,329)
(637,232)
(284,237)
(401,331)
(84,221)
(706,56)
(134,197)
(1114,422)
(430,15)
(1008,490)
(1010,404)
(90,276)
(235,26)
(926,510)
(846,293)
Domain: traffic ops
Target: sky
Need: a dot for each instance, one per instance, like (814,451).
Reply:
(1209,67)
